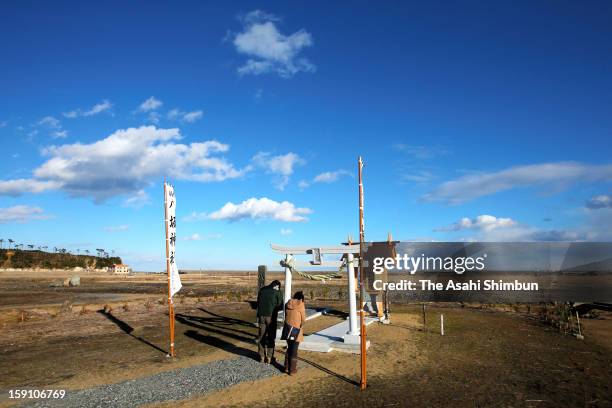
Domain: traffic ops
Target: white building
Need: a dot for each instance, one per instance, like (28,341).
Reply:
(121,269)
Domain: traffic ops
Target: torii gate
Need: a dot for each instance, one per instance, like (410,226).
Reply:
(352,336)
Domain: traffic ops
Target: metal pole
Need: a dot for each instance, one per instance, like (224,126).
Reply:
(350,270)
(363,382)
(288,258)
(170,305)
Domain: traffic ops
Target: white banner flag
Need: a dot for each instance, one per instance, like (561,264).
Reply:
(175,279)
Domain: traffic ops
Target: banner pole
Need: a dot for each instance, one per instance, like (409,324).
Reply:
(170,305)
(362,334)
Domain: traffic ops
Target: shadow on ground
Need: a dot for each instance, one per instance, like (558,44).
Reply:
(127,329)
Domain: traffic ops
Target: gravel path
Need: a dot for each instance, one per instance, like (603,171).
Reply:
(172,385)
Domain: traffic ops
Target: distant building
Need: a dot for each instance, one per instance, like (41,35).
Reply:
(121,269)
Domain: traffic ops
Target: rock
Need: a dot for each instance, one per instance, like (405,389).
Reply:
(66,282)
(75,280)
(56,284)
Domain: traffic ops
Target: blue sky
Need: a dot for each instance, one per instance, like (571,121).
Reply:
(476,121)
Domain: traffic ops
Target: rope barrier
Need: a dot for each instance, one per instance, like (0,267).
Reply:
(312,276)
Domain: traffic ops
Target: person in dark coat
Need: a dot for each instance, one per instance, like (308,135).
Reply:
(269,301)
(295,316)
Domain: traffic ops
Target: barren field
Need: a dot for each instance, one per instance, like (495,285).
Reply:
(61,338)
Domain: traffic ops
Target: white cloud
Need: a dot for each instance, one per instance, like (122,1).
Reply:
(50,122)
(174,113)
(286,231)
(269,50)
(150,104)
(59,134)
(489,228)
(138,200)
(98,108)
(557,175)
(125,162)
(419,177)
(21,186)
(482,222)
(330,176)
(257,16)
(103,106)
(325,177)
(21,214)
(198,237)
(600,201)
(282,166)
(261,208)
(153,117)
(117,228)
(189,117)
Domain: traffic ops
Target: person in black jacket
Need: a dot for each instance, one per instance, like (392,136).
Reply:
(269,301)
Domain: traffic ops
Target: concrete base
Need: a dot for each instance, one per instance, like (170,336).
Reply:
(334,338)
(351,338)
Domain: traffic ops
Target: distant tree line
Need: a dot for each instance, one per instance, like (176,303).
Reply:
(15,256)
(11,244)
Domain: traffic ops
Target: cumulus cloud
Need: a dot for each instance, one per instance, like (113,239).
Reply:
(268,50)
(482,222)
(497,229)
(189,117)
(150,104)
(261,208)
(21,214)
(559,174)
(100,107)
(281,166)
(124,163)
(599,202)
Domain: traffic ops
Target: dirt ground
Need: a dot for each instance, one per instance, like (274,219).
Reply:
(61,338)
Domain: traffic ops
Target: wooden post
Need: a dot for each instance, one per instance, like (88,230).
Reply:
(442,324)
(363,382)
(170,305)
(261,276)
(424,320)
